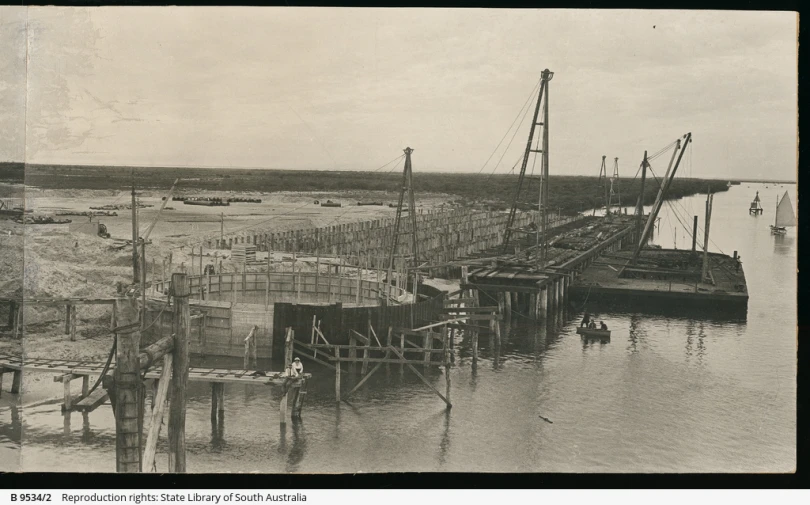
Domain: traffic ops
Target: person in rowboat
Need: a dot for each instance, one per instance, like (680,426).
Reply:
(592,325)
(585,320)
(602,326)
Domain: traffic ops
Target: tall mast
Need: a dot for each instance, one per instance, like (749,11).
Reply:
(640,204)
(136,277)
(775,210)
(412,205)
(709,200)
(545,77)
(407,186)
(665,183)
(604,180)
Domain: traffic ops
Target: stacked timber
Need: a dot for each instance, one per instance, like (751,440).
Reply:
(243,253)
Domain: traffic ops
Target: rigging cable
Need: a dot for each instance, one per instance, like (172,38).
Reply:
(528,101)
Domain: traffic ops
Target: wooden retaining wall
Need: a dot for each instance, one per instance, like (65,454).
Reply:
(336,320)
(236,302)
(442,236)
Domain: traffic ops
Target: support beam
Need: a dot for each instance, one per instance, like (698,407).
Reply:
(337,374)
(73,323)
(159,402)
(128,389)
(422,377)
(177,413)
(705,273)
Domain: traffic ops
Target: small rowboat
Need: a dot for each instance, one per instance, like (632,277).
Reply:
(587,332)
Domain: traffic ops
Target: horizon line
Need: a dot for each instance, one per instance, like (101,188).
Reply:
(439,171)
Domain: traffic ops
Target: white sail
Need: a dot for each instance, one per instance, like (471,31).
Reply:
(784,212)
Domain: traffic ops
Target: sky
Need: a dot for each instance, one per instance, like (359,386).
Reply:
(348,89)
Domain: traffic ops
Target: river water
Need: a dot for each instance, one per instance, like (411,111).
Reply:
(668,393)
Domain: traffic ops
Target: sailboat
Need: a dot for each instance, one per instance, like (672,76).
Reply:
(784,215)
(756,207)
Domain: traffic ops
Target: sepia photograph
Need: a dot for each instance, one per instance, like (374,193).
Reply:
(288,240)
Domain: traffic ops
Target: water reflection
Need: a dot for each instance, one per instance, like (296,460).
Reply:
(444,445)
(299,444)
(12,431)
(783,245)
(636,333)
(701,346)
(690,335)
(495,346)
(217,430)
(593,343)
(87,434)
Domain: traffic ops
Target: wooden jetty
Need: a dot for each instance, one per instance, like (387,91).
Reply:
(164,361)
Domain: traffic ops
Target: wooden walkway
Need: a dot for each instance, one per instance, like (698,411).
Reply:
(85,368)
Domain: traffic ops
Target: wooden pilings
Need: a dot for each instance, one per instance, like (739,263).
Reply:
(337,374)
(181,324)
(128,389)
(250,348)
(16,381)
(442,236)
(217,408)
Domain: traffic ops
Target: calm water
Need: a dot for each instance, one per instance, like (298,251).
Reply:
(666,394)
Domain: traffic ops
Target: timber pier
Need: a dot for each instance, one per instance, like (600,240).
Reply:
(359,295)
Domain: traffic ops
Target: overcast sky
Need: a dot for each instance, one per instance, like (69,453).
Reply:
(309,88)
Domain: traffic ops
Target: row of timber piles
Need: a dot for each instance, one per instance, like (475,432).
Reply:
(542,292)
(442,236)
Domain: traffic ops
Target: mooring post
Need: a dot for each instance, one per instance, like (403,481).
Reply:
(415,298)
(475,346)
(402,348)
(128,388)
(72,323)
(217,400)
(301,392)
(428,345)
(364,368)
(352,352)
(388,344)
(359,282)
(507,305)
(289,343)
(16,382)
(337,374)
(177,412)
(446,359)
(318,273)
(12,308)
(67,317)
(542,303)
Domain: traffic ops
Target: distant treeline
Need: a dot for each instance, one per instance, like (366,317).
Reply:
(12,172)
(569,194)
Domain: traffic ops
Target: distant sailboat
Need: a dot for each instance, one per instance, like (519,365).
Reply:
(756,207)
(784,216)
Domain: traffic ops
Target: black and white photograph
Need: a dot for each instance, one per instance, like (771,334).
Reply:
(333,240)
